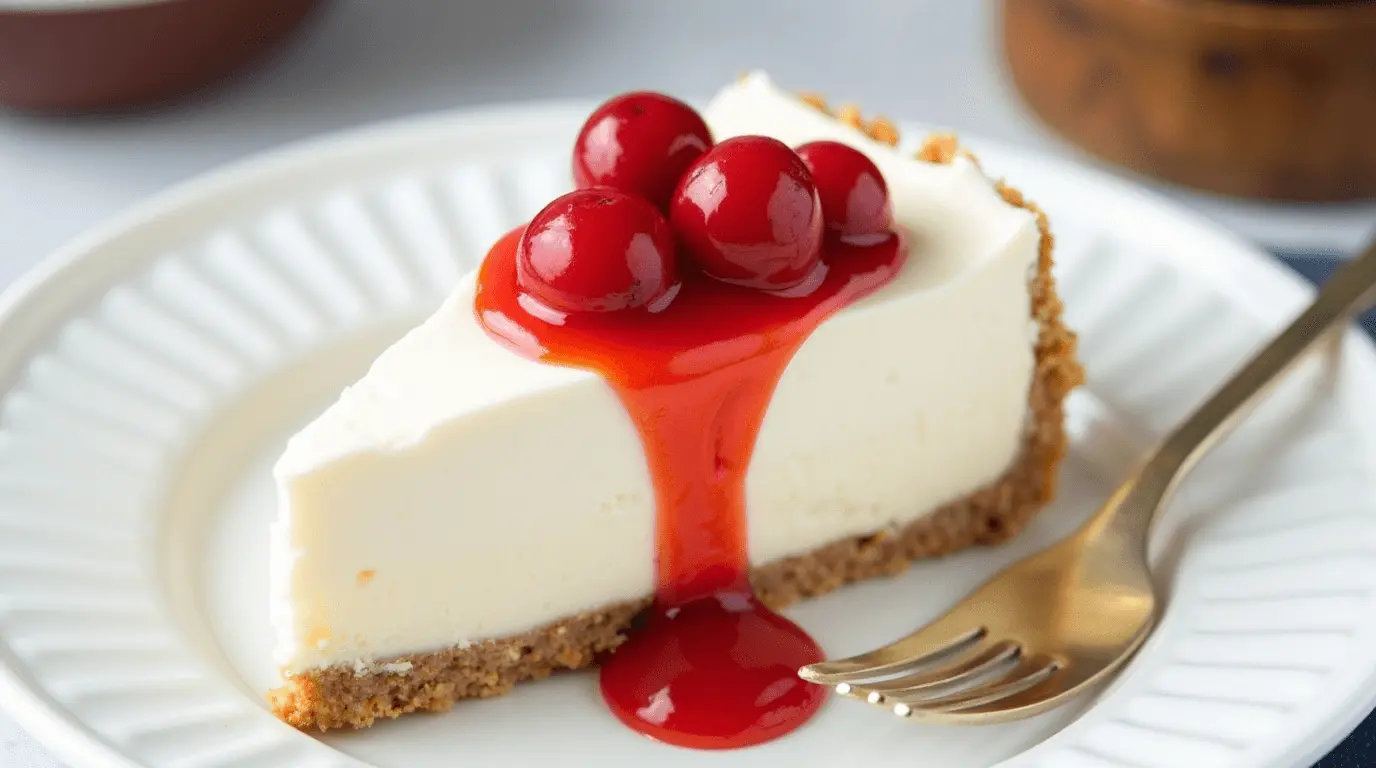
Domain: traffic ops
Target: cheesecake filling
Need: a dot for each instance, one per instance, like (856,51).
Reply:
(364,568)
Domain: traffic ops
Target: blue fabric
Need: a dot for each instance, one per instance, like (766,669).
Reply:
(1316,268)
(1359,749)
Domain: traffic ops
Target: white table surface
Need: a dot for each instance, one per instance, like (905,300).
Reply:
(361,61)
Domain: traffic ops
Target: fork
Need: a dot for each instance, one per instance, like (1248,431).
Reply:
(1052,625)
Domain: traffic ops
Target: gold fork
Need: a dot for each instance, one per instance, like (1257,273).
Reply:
(1050,626)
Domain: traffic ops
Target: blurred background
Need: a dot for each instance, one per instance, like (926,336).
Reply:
(1260,114)
(1159,82)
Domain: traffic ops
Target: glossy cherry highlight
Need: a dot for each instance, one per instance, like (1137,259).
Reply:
(597,250)
(748,213)
(640,143)
(855,197)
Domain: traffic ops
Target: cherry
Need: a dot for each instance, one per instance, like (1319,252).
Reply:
(748,212)
(640,143)
(597,250)
(855,198)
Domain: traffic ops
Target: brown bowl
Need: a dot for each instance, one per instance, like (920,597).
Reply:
(1255,98)
(85,55)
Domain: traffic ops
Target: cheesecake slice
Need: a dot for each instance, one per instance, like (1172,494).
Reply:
(464,518)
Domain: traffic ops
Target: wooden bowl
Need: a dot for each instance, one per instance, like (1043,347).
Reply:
(85,55)
(1255,98)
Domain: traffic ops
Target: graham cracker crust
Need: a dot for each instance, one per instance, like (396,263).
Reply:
(339,698)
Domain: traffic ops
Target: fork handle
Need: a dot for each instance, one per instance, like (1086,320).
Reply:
(1352,287)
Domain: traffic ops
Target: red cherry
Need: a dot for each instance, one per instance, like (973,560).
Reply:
(748,213)
(855,198)
(597,250)
(640,143)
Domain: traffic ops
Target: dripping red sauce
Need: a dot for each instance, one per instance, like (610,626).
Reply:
(711,668)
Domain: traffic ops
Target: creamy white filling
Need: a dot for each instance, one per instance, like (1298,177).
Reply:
(483,494)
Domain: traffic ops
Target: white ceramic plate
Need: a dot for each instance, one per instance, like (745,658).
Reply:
(153,371)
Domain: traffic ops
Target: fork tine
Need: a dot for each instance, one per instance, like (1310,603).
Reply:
(977,669)
(986,694)
(891,659)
